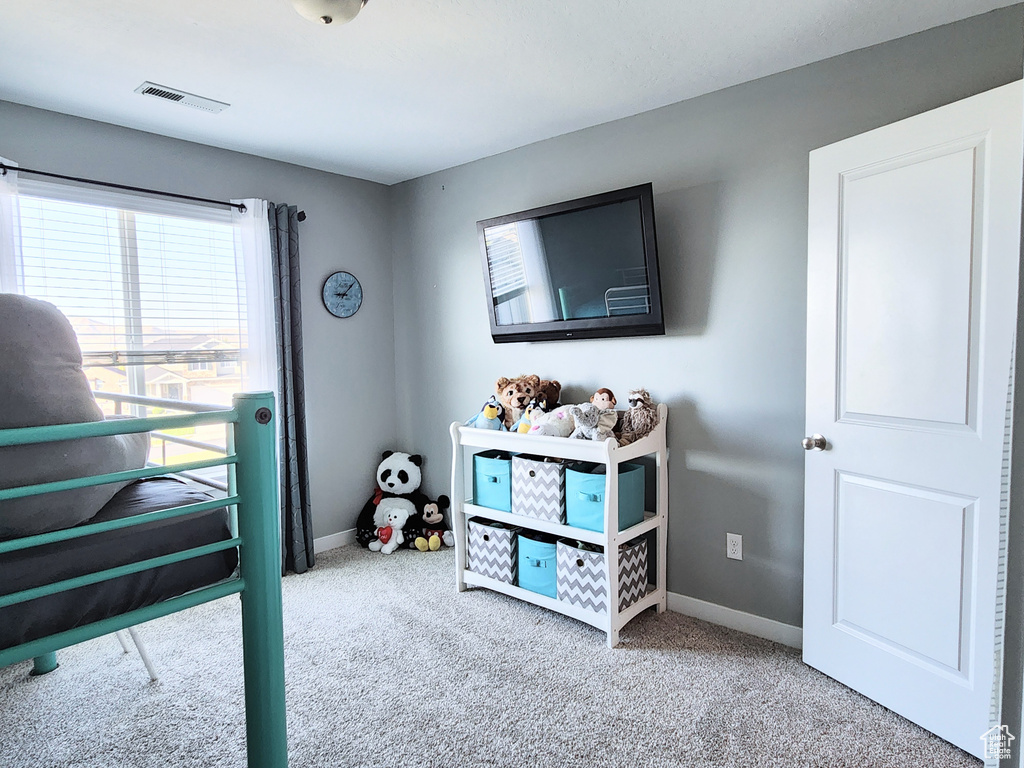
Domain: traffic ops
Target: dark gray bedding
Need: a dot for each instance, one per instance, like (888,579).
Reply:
(29,568)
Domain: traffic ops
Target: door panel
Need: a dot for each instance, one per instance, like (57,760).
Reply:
(913,244)
(903,564)
(906,278)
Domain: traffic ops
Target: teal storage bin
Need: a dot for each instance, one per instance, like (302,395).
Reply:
(537,564)
(492,480)
(584,496)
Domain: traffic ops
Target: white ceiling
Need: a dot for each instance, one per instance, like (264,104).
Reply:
(415,86)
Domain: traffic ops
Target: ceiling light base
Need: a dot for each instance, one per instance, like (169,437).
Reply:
(329,11)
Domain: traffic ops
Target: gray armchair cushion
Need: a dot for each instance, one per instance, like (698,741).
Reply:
(42,383)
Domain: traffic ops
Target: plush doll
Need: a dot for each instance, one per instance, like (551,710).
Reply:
(640,418)
(515,395)
(592,423)
(603,398)
(491,416)
(534,409)
(557,423)
(548,393)
(389,536)
(398,481)
(435,534)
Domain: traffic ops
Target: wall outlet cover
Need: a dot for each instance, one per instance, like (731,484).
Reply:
(734,546)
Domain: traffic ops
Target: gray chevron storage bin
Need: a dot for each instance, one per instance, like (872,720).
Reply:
(538,488)
(492,550)
(581,579)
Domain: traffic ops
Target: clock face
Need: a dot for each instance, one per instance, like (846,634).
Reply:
(342,294)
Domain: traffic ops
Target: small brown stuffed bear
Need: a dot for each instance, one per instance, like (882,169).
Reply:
(515,394)
(549,391)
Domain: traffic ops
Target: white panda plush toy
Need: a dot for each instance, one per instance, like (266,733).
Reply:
(398,481)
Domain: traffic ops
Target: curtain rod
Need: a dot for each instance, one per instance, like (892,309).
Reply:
(4,168)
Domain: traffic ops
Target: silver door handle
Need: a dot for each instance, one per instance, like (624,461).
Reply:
(815,443)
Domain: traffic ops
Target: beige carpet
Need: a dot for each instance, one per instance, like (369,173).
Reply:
(387,666)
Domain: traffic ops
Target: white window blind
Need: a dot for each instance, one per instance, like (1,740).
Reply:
(169,300)
(155,290)
(505,262)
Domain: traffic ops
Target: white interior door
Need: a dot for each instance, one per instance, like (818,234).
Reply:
(914,240)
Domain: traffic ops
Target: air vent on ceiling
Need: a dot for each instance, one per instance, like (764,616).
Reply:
(188,99)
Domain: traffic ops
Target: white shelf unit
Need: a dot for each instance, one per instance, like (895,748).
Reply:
(468,441)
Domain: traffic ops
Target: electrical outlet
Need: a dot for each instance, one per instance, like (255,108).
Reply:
(734,546)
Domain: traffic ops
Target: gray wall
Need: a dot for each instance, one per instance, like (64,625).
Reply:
(349,363)
(730,181)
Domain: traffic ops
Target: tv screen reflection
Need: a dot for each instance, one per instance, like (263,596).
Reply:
(576,265)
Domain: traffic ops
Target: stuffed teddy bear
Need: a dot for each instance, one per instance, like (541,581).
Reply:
(389,536)
(592,423)
(557,423)
(398,482)
(434,532)
(640,418)
(491,416)
(548,393)
(515,395)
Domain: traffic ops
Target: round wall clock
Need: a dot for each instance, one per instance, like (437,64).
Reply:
(342,294)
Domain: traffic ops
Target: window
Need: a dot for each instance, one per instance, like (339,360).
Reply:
(155,290)
(152,295)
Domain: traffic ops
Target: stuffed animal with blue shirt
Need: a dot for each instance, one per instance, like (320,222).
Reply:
(491,416)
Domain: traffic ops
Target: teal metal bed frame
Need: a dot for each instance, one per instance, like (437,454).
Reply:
(256,529)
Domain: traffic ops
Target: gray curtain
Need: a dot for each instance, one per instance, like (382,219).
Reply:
(297,525)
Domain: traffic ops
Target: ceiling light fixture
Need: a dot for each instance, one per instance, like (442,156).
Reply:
(328,11)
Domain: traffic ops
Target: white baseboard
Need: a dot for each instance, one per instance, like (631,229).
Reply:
(769,629)
(334,540)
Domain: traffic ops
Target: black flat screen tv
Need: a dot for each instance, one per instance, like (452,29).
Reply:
(581,269)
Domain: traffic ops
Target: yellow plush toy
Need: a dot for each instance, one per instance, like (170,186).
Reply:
(535,408)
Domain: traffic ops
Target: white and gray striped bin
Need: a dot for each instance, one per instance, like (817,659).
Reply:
(581,579)
(492,551)
(538,488)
